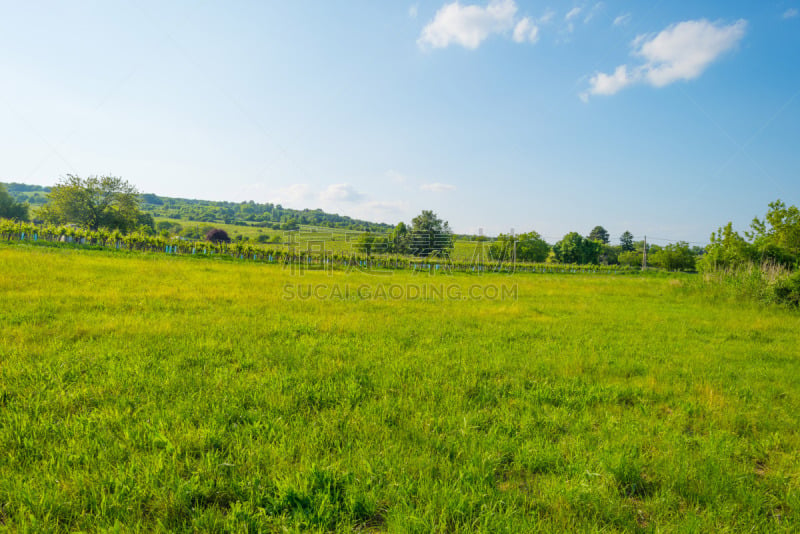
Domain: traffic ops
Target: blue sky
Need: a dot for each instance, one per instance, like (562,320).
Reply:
(663,118)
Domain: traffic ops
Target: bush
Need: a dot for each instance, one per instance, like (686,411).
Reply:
(787,290)
(765,283)
(217,235)
(630,258)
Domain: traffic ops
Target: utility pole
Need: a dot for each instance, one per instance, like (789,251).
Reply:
(477,255)
(644,255)
(514,250)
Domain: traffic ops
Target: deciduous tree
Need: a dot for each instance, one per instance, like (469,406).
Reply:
(574,248)
(365,243)
(430,235)
(529,247)
(399,239)
(94,202)
(11,209)
(777,237)
(674,257)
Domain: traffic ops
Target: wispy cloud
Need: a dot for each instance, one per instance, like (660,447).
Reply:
(340,198)
(571,17)
(547,17)
(623,20)
(436,187)
(594,11)
(413,11)
(682,51)
(468,25)
(294,195)
(341,193)
(572,13)
(387,211)
(303,195)
(790,13)
(526,30)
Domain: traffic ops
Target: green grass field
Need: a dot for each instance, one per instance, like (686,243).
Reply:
(153,393)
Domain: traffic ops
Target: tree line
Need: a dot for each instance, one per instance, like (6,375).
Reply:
(596,249)
(249,213)
(112,203)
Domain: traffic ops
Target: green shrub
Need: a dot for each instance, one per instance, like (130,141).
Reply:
(745,282)
(787,290)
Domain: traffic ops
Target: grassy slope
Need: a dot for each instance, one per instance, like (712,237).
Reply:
(176,393)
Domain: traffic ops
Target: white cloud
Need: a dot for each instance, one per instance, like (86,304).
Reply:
(682,51)
(380,211)
(608,84)
(468,25)
(526,30)
(572,13)
(295,194)
(790,13)
(548,17)
(436,187)
(340,193)
(413,11)
(339,198)
(623,20)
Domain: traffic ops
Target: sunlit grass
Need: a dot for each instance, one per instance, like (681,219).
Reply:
(144,392)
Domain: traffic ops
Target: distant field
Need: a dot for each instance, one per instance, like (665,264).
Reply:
(146,392)
(336,239)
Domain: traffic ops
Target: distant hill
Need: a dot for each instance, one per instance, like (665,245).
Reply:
(247,213)
(32,194)
(251,213)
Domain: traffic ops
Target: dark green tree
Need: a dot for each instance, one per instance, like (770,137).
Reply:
(600,234)
(574,248)
(399,239)
(430,235)
(94,202)
(609,254)
(9,208)
(365,243)
(626,242)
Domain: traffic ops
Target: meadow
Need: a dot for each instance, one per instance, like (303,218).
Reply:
(144,392)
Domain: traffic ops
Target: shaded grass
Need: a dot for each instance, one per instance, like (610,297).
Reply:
(157,393)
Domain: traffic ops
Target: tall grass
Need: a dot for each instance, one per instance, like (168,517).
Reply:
(162,393)
(749,281)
